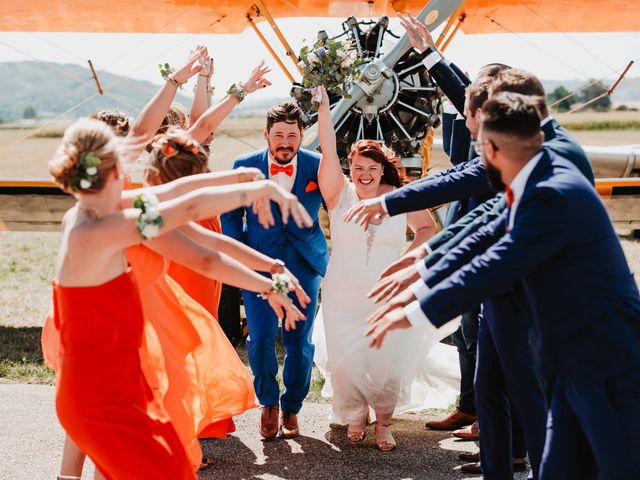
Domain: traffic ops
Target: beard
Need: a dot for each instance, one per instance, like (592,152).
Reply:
(282,155)
(494,177)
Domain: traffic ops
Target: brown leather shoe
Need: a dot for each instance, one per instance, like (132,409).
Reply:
(472,432)
(269,421)
(456,420)
(469,457)
(289,425)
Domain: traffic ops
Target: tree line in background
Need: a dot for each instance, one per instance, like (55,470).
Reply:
(562,100)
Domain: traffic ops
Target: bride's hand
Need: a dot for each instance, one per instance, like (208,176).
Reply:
(285,310)
(320,95)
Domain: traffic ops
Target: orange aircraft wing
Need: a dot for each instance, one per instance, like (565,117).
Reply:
(229,16)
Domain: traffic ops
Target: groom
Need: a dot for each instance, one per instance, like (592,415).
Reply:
(305,253)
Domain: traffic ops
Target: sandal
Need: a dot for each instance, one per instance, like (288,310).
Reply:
(206,462)
(355,432)
(384,439)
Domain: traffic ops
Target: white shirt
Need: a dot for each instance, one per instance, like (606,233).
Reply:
(546,120)
(518,184)
(282,179)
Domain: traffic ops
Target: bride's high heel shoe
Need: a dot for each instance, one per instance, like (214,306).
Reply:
(355,432)
(384,439)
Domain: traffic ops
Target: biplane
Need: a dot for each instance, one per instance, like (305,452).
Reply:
(394,101)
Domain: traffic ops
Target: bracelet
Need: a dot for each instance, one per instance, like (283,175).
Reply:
(237,90)
(280,283)
(175,82)
(277,267)
(150,221)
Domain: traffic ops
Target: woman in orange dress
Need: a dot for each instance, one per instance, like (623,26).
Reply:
(102,398)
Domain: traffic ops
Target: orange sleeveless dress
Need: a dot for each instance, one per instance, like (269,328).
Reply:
(102,398)
(202,289)
(207,293)
(191,367)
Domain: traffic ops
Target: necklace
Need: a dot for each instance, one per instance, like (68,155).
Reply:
(92,211)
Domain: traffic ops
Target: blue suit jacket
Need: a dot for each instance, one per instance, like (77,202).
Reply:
(563,247)
(469,180)
(311,243)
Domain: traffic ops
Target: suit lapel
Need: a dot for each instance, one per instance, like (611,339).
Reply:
(299,183)
(263,163)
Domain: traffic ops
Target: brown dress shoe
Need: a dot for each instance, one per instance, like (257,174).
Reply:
(456,420)
(289,425)
(472,432)
(469,457)
(269,421)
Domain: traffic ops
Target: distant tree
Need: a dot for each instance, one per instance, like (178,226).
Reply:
(558,94)
(622,108)
(29,113)
(593,91)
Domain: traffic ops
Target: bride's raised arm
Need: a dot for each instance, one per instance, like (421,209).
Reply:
(331,179)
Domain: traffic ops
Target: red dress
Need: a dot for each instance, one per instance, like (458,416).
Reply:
(207,293)
(102,398)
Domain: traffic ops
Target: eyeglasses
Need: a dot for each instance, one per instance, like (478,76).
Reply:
(477,146)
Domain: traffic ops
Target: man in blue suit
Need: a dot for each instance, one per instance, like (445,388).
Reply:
(557,237)
(305,253)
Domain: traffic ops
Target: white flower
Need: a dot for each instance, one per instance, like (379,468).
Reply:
(150,230)
(312,58)
(151,214)
(150,201)
(92,170)
(346,62)
(84,184)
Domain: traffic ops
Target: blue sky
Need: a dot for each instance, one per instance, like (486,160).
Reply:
(550,56)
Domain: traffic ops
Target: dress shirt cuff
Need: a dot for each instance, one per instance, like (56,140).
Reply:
(415,315)
(431,59)
(427,247)
(419,288)
(383,202)
(422,270)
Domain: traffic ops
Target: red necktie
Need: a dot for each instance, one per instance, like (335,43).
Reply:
(275,169)
(509,193)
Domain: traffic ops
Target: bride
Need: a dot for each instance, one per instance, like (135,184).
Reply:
(361,377)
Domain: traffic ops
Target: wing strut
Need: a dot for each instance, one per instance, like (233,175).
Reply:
(269,48)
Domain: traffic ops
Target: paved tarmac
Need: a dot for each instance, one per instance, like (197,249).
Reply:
(31,445)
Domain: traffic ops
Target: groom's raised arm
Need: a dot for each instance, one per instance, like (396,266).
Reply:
(457,183)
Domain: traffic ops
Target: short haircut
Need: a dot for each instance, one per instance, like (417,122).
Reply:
(477,93)
(511,114)
(287,112)
(492,69)
(518,81)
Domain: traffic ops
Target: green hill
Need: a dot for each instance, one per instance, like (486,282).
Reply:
(52,89)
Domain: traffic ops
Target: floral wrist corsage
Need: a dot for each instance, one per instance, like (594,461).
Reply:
(150,221)
(280,283)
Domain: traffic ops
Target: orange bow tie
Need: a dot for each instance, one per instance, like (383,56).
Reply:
(509,194)
(275,169)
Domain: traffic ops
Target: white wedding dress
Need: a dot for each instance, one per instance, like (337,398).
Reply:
(411,370)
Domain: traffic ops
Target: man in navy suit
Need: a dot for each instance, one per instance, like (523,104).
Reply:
(305,253)
(557,237)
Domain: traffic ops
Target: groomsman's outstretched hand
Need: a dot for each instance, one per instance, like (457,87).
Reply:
(394,284)
(365,212)
(391,316)
(409,258)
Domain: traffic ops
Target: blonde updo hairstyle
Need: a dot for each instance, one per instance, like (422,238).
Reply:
(174,155)
(84,137)
(117,120)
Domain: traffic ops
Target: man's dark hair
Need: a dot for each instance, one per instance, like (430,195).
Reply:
(287,112)
(492,69)
(511,114)
(477,93)
(523,82)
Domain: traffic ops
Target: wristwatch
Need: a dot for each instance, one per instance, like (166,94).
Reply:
(237,90)
(277,267)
